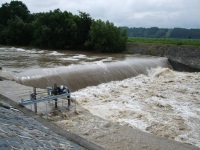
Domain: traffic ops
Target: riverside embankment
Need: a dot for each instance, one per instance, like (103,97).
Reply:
(20,128)
(181,57)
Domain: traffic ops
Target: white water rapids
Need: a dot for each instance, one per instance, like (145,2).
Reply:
(164,103)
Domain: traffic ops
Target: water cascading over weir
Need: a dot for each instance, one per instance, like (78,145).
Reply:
(77,77)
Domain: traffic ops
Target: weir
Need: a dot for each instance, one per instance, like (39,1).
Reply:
(76,77)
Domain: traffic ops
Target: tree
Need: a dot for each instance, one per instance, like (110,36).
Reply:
(83,22)
(104,36)
(57,29)
(54,29)
(16,33)
(12,10)
(13,24)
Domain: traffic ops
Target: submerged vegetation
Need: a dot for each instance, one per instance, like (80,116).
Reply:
(57,30)
(168,41)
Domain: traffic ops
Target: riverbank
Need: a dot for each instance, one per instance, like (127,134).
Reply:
(23,129)
(18,131)
(181,57)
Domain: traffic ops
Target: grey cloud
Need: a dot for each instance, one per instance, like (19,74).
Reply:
(41,5)
(132,13)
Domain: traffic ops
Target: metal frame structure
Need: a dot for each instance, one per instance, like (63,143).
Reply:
(42,99)
(51,97)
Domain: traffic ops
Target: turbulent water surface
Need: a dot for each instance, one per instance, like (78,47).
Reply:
(41,69)
(164,102)
(141,92)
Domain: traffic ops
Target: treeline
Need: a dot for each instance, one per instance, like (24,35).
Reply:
(58,30)
(155,32)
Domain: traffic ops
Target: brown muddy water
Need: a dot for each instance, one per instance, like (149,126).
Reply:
(40,68)
(137,91)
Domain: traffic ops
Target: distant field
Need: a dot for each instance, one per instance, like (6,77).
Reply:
(194,42)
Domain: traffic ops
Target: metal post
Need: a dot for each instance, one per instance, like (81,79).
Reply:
(69,98)
(55,90)
(46,110)
(31,100)
(34,98)
(62,104)
(56,103)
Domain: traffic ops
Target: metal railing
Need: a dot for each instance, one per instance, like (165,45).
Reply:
(42,99)
(49,96)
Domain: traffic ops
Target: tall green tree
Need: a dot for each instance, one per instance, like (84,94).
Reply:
(12,10)
(83,22)
(14,29)
(57,29)
(17,32)
(105,37)
(54,29)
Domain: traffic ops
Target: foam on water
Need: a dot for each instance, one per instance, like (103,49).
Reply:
(165,103)
(80,56)
(34,51)
(69,59)
(20,50)
(56,53)
(84,57)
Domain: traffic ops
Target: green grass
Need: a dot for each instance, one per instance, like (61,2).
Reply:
(168,41)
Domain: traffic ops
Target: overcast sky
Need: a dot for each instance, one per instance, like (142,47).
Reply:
(131,13)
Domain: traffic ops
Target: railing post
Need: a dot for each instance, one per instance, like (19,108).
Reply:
(55,92)
(31,99)
(69,97)
(34,98)
(46,110)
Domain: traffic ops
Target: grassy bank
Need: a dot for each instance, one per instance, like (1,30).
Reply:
(168,41)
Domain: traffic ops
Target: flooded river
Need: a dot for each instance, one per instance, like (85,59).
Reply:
(137,91)
(40,68)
